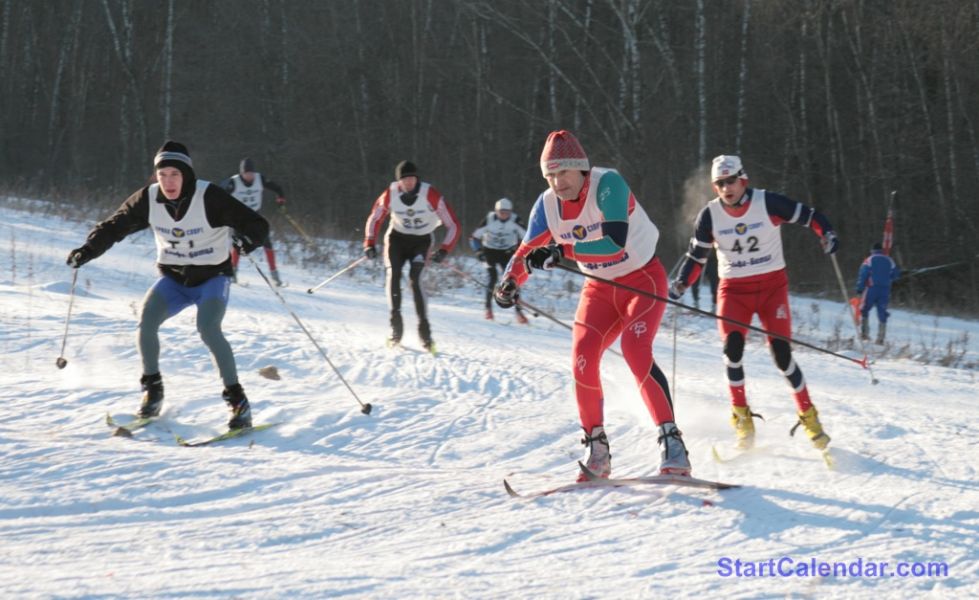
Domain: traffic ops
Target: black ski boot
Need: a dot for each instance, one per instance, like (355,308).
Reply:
(425,333)
(152,395)
(397,329)
(241,412)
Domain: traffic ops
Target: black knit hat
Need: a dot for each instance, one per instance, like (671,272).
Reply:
(175,154)
(405,168)
(877,246)
(247,166)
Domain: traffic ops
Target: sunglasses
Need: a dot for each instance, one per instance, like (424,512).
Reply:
(726,181)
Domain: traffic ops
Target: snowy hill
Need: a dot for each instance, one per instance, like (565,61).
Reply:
(408,502)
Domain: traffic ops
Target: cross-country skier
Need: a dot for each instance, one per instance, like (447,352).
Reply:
(248,186)
(494,241)
(194,223)
(416,209)
(743,223)
(589,214)
(874,280)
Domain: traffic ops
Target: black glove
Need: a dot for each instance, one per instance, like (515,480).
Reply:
(79,256)
(481,255)
(507,293)
(676,289)
(544,258)
(830,242)
(243,243)
(370,252)
(439,255)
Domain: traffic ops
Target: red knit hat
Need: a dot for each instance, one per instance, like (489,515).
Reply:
(562,152)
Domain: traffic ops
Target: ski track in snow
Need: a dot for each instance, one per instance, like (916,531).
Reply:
(409,502)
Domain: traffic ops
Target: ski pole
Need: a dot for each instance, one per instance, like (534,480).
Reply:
(337,274)
(675,317)
(298,228)
(853,315)
(62,361)
(537,311)
(862,363)
(364,408)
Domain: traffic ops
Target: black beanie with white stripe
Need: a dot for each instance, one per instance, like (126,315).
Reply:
(175,154)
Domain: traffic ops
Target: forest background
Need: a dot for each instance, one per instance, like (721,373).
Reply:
(836,103)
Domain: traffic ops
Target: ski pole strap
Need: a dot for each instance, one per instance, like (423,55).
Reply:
(772,334)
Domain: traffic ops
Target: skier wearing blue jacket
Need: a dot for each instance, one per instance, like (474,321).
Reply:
(877,273)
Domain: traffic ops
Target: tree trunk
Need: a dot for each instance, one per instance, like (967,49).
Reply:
(742,77)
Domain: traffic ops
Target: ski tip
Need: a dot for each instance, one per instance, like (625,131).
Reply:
(510,490)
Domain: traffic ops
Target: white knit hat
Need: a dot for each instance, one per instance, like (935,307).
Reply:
(726,165)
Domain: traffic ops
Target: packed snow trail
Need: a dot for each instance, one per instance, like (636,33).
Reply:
(408,502)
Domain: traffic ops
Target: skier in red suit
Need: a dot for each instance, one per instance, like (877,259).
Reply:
(589,215)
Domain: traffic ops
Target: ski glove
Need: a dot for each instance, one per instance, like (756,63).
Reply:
(544,258)
(507,293)
(439,255)
(79,256)
(370,252)
(243,243)
(676,289)
(830,242)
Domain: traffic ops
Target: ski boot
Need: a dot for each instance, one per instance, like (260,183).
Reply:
(241,411)
(275,277)
(864,329)
(673,457)
(809,420)
(599,459)
(152,395)
(521,318)
(742,419)
(881,332)
(425,333)
(397,329)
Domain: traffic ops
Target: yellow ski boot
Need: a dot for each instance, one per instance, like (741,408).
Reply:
(742,419)
(814,429)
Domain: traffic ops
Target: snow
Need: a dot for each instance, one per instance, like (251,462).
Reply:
(409,502)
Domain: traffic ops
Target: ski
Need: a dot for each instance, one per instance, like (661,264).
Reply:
(594,481)
(680,480)
(739,453)
(127,429)
(228,435)
(556,490)
(742,453)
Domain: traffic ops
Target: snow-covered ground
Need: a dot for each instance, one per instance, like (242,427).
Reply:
(408,502)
